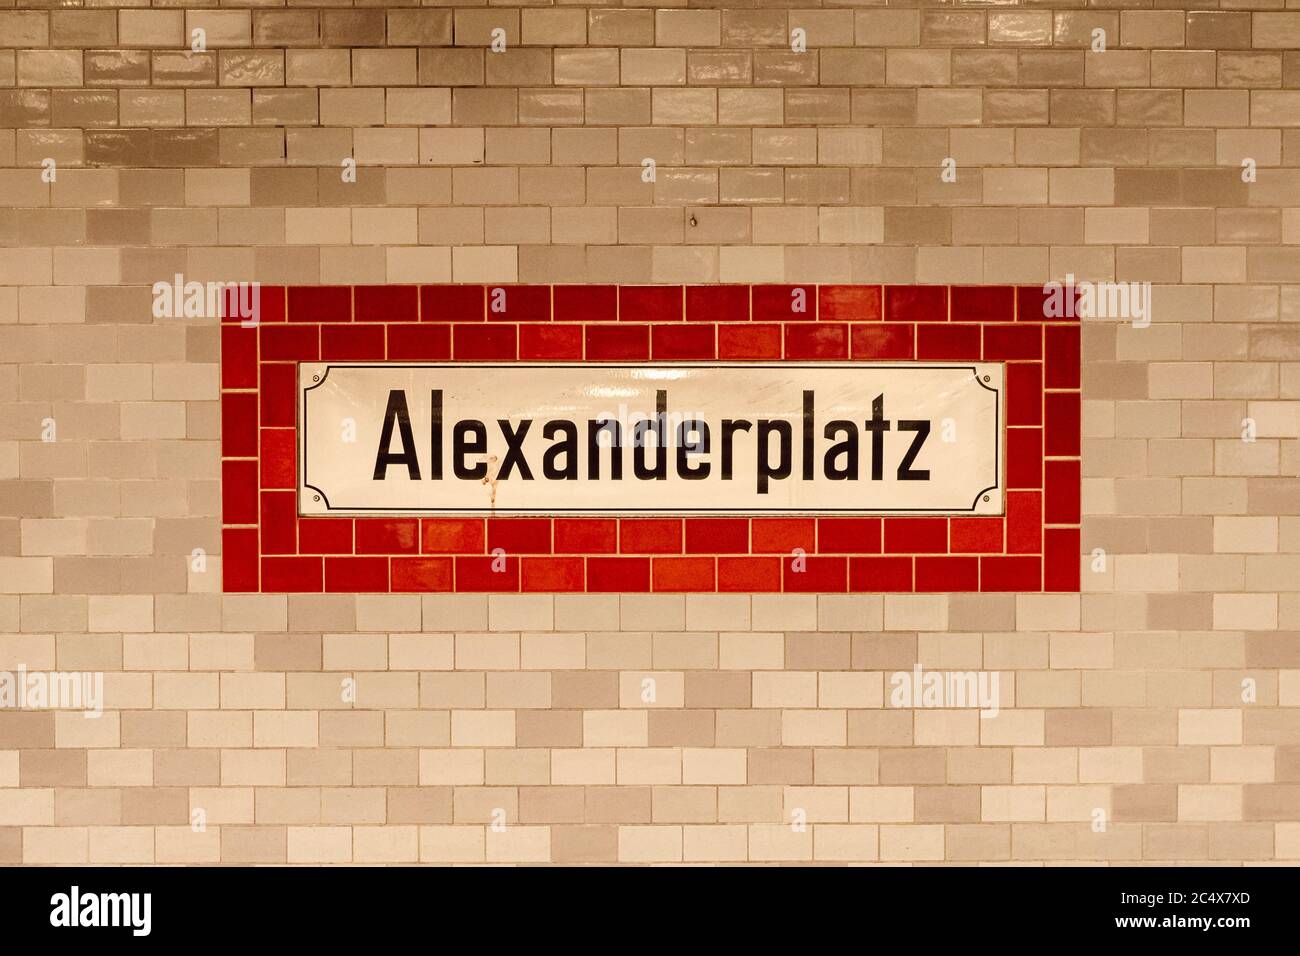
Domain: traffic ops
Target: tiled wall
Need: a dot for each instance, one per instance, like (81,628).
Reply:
(1154,717)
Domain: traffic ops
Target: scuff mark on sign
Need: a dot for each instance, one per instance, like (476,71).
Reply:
(490,479)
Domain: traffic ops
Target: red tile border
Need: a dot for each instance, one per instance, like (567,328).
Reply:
(1034,547)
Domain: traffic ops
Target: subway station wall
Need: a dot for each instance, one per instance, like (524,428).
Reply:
(649,183)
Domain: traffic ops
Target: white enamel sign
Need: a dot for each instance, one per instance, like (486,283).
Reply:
(744,438)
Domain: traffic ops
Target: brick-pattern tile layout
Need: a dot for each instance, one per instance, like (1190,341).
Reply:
(269,548)
(382,160)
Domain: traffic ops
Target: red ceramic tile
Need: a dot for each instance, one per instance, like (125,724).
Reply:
(483,343)
(1009,342)
(650,535)
(320,303)
(356,575)
(352,343)
(279,522)
(550,342)
(880,575)
(785,303)
(300,575)
(683,574)
(421,574)
(612,343)
(1024,522)
(916,535)
(936,343)
(824,341)
(1034,303)
(551,574)
(585,303)
(848,535)
(749,574)
(983,303)
(452,303)
(1062,356)
(239,424)
(274,304)
(967,535)
(745,342)
(1061,560)
(279,394)
(849,303)
(268,305)
(783,535)
(1029,303)
(1024,457)
(947,574)
(452,535)
(1024,382)
(324,535)
(279,458)
(1061,501)
(717,303)
(386,303)
(239,560)
(815,574)
(388,535)
(519,303)
(916,303)
(487,574)
(717,535)
(586,535)
(1061,435)
(239,492)
(419,343)
(289,343)
(1011,573)
(675,343)
(875,343)
(650,303)
(519,535)
(618,574)
(238,357)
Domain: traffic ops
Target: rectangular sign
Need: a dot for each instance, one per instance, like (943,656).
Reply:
(519,439)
